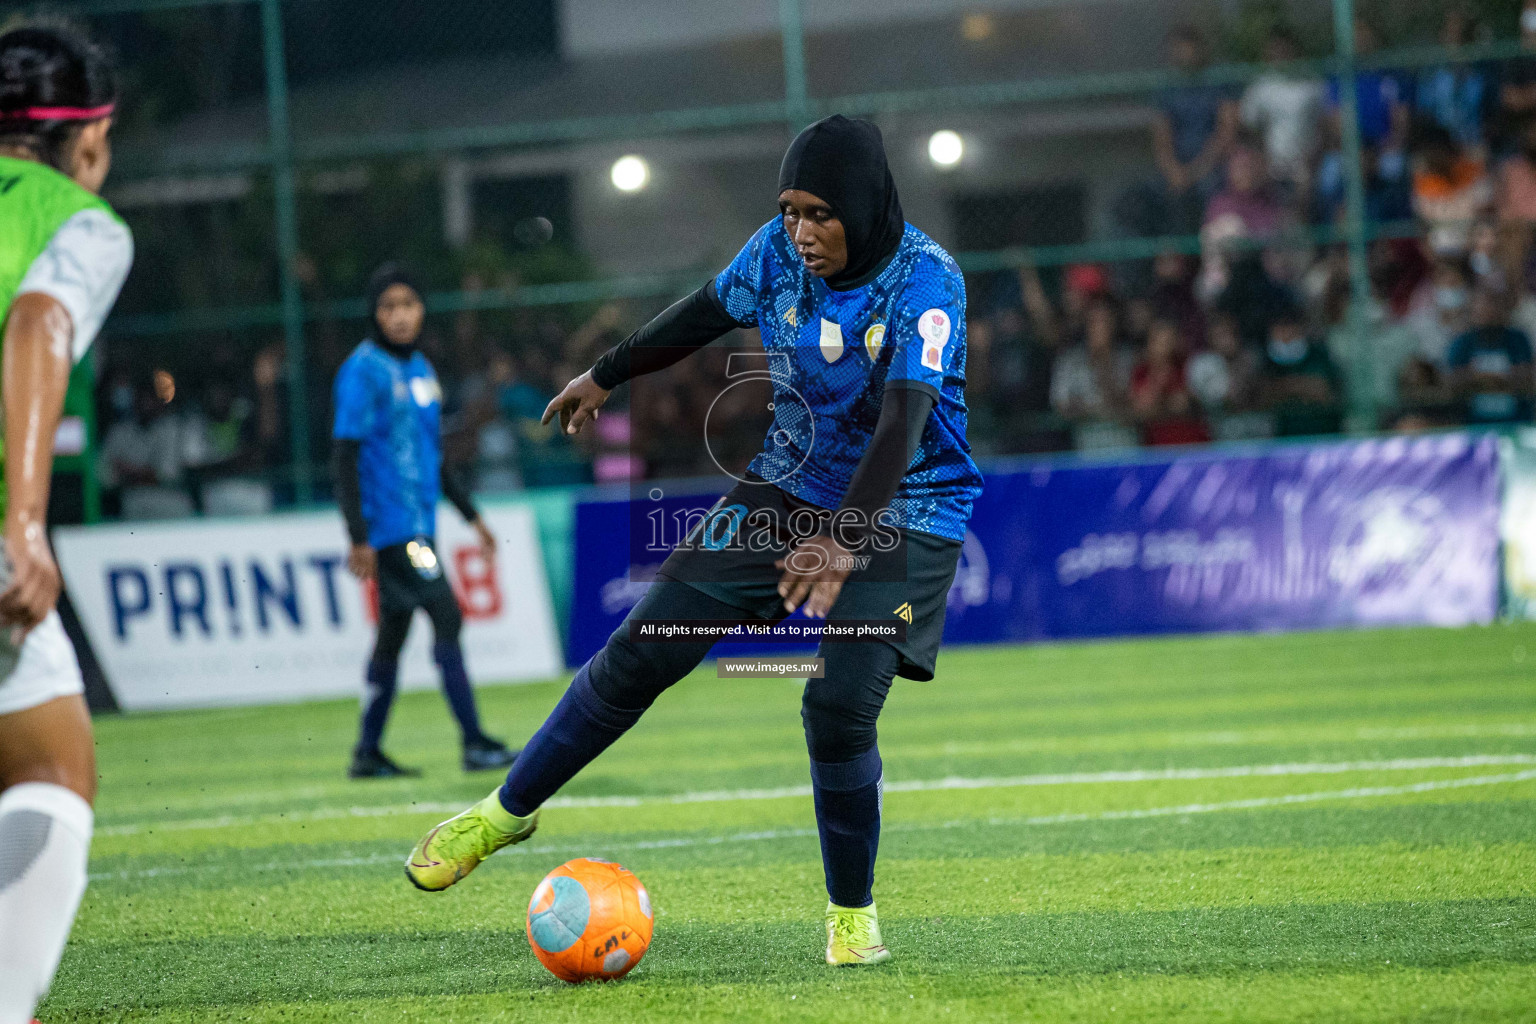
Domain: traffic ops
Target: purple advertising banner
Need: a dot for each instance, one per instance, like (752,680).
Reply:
(619,545)
(1392,531)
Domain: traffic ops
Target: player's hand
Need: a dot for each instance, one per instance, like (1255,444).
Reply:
(35,580)
(363,562)
(576,404)
(487,540)
(814,574)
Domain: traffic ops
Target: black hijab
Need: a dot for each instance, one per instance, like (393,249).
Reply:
(841,161)
(387,275)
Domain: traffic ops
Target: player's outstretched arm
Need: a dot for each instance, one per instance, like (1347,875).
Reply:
(679,330)
(39,335)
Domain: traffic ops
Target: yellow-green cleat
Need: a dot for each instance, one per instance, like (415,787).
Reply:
(457,846)
(853,936)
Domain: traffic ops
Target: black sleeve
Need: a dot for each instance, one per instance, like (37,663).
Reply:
(348,492)
(456,492)
(679,330)
(903,415)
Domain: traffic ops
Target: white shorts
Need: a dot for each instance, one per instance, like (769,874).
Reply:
(46,670)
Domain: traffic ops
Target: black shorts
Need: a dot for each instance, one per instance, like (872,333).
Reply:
(907,576)
(411,577)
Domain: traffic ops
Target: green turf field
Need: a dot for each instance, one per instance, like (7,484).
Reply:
(1327,827)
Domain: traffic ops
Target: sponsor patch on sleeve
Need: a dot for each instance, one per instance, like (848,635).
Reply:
(934,326)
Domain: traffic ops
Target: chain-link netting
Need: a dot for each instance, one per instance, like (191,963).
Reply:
(1152,203)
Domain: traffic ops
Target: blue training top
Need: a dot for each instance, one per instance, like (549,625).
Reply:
(906,328)
(393,407)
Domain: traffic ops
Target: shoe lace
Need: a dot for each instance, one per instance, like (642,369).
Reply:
(853,929)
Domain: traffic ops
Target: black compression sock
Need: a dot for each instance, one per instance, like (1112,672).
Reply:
(848,802)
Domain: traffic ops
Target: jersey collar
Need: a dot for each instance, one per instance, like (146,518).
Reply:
(404,355)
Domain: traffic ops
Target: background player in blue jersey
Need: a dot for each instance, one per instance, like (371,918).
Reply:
(389,474)
(855,509)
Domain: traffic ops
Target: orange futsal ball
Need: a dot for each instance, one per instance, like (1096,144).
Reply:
(589,918)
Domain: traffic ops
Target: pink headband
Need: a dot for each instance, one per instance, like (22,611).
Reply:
(58,113)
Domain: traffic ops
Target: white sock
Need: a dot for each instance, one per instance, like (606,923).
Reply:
(45,834)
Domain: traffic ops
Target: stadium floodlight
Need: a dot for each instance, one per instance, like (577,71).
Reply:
(945,148)
(978,26)
(630,173)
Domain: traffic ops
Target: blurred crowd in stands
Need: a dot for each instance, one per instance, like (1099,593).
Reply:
(1242,327)
(1249,331)
(217,441)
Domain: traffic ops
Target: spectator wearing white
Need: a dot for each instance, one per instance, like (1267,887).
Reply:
(1388,346)
(1225,381)
(1286,109)
(1441,309)
(1451,189)
(144,457)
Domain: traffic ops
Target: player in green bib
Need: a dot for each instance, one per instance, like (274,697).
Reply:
(63,257)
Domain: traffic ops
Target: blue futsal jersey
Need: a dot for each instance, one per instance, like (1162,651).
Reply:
(906,328)
(393,407)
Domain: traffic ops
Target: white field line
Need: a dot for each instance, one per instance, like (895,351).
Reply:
(1418,732)
(1231,737)
(909,786)
(1182,810)
(1358,793)
(1171,740)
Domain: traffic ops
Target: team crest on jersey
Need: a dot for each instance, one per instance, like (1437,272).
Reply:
(831,341)
(426,391)
(873,339)
(789,317)
(934,327)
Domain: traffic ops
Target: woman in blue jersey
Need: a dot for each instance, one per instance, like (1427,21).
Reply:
(855,509)
(389,474)
(63,257)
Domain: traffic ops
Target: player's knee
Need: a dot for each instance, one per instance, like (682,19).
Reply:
(387,652)
(447,619)
(50,743)
(834,730)
(393,629)
(626,674)
(74,769)
(447,624)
